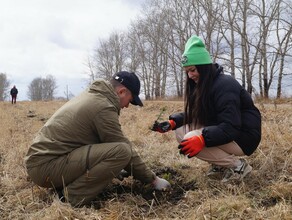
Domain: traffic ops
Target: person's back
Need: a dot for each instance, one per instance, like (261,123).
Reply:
(13,93)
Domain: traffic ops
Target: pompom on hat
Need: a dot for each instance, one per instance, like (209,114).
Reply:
(195,53)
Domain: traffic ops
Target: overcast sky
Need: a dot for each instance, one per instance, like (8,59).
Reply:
(42,37)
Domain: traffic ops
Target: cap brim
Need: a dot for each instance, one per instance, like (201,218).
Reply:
(137,101)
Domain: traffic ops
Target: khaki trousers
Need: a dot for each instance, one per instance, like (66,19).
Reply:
(85,171)
(223,155)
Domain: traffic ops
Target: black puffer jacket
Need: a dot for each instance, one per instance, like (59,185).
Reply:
(233,116)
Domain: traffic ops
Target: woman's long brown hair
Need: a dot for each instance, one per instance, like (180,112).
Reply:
(197,96)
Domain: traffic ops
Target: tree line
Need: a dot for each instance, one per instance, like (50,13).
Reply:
(39,89)
(251,38)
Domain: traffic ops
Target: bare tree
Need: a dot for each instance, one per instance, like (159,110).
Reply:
(151,47)
(266,12)
(34,92)
(49,87)
(42,88)
(273,43)
(227,30)
(284,25)
(138,45)
(68,94)
(183,21)
(4,86)
(133,57)
(92,69)
(154,30)
(109,56)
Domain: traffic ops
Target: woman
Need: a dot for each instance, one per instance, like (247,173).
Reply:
(220,122)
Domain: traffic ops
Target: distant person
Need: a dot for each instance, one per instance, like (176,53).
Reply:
(13,93)
(81,148)
(220,122)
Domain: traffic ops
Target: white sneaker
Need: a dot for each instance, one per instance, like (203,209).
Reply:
(237,173)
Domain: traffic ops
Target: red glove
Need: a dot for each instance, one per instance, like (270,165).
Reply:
(163,126)
(192,146)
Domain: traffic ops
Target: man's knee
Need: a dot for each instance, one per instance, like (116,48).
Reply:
(123,150)
(37,176)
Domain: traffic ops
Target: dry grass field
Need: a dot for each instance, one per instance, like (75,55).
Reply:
(265,194)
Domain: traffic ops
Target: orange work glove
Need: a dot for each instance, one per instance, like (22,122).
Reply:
(163,127)
(192,146)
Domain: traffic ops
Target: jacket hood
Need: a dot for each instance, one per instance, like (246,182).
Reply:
(219,69)
(106,89)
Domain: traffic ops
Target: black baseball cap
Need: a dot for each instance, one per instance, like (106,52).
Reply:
(131,82)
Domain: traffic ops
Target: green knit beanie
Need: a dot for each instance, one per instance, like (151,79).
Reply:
(195,53)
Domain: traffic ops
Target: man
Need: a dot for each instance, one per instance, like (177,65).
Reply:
(13,93)
(81,148)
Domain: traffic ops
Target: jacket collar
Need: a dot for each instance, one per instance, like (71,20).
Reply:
(105,88)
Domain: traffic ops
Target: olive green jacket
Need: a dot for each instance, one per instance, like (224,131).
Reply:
(90,118)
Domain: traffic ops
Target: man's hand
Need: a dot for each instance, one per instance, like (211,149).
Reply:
(160,184)
(192,146)
(163,126)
